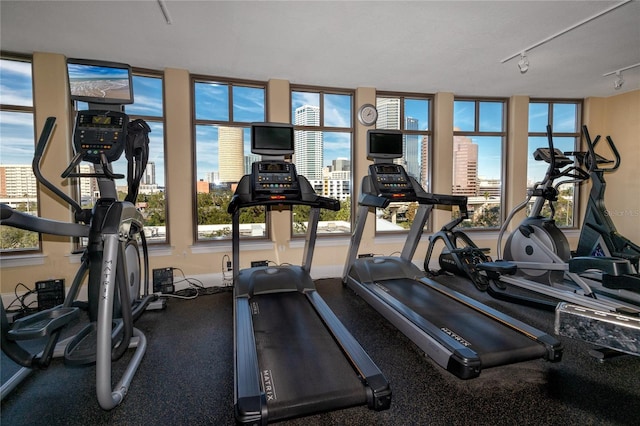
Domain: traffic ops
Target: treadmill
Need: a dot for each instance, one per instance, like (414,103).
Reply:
(459,333)
(293,356)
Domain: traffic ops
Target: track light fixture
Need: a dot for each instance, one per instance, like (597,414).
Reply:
(619,81)
(617,84)
(523,63)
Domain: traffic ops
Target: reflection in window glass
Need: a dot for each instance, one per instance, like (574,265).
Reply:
(223,156)
(566,137)
(17,144)
(323,156)
(411,115)
(477,160)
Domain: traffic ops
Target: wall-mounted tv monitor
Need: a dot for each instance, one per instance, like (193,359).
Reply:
(384,144)
(274,139)
(100,81)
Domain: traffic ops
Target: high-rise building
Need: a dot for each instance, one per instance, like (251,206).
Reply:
(149,177)
(465,166)
(308,144)
(17,181)
(212,177)
(411,148)
(341,165)
(388,113)
(424,162)
(230,154)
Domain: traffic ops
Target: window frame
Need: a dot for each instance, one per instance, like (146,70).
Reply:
(195,122)
(503,134)
(17,57)
(322,91)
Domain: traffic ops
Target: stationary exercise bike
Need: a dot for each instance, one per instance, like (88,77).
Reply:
(599,236)
(110,261)
(460,255)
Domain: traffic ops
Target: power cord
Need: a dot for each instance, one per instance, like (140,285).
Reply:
(196,288)
(24,308)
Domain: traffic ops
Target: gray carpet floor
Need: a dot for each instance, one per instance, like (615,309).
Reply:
(186,377)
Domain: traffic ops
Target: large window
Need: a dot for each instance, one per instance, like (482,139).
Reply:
(410,113)
(18,187)
(479,133)
(564,116)
(322,120)
(223,112)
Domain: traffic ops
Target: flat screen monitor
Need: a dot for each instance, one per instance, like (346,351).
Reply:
(275,139)
(384,144)
(100,81)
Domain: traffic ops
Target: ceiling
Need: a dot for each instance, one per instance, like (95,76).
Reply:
(413,46)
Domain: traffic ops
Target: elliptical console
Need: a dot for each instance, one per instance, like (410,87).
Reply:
(99,133)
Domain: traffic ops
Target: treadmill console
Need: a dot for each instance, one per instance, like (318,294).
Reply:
(100,132)
(274,180)
(391,180)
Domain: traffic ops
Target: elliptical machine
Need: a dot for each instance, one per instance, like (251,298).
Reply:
(599,236)
(110,261)
(537,259)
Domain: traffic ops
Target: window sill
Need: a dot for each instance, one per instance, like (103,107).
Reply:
(19,260)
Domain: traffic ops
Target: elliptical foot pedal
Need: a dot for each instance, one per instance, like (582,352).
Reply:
(43,323)
(81,351)
(497,268)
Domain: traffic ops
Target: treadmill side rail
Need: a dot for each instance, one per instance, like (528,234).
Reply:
(251,403)
(380,397)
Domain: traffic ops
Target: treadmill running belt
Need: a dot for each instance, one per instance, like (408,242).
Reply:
(495,343)
(302,368)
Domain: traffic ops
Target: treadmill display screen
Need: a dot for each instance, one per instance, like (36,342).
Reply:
(384,144)
(388,169)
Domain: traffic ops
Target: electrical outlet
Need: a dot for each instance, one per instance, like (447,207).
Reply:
(228,265)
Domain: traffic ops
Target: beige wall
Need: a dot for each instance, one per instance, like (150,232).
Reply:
(619,117)
(616,116)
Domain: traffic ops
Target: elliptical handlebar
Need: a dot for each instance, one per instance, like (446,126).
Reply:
(593,166)
(43,141)
(552,153)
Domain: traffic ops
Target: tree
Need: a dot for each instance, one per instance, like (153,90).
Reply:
(14,238)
